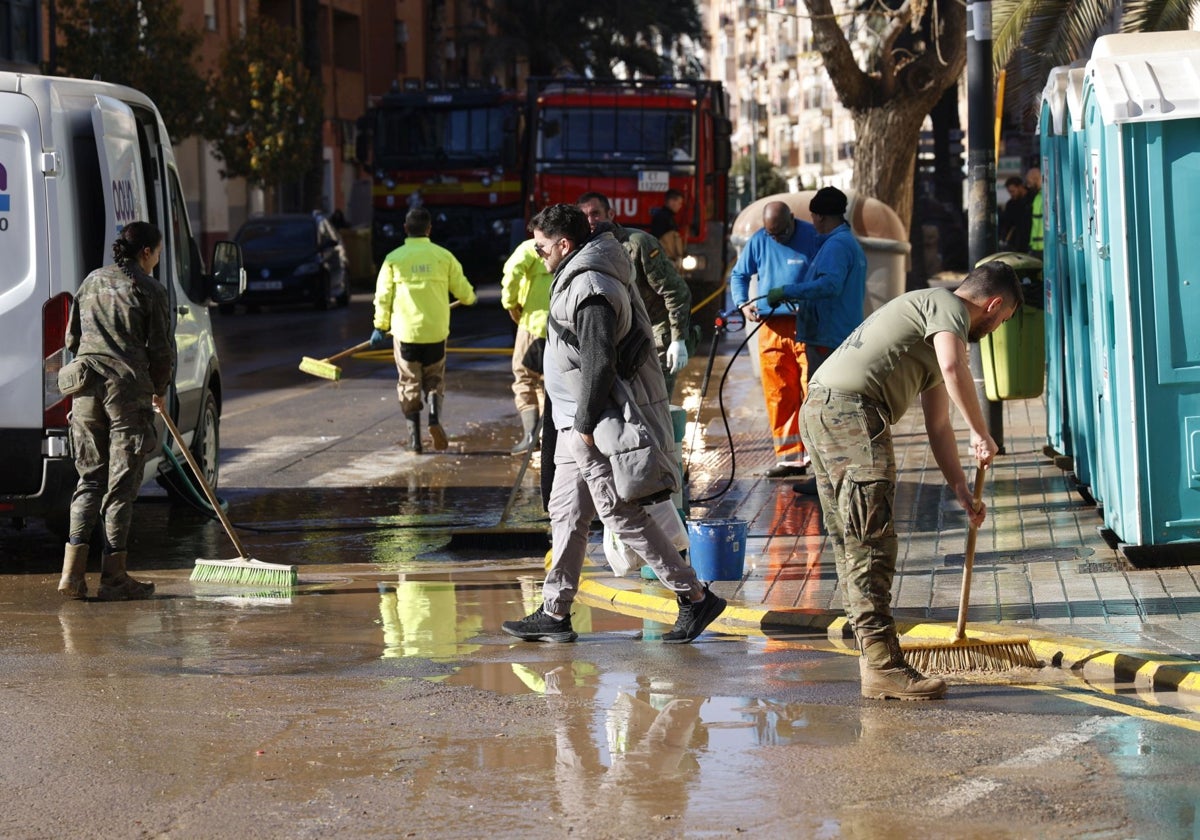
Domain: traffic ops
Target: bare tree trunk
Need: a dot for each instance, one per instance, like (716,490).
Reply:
(885,153)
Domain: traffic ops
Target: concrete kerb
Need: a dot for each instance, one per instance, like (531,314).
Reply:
(1146,670)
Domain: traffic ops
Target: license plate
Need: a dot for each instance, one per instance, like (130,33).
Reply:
(264,285)
(653,180)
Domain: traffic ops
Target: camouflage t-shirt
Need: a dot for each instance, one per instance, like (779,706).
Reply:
(890,357)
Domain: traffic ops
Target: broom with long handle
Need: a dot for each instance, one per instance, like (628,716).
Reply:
(243,570)
(964,653)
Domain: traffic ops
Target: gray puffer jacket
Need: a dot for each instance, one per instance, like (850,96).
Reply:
(600,267)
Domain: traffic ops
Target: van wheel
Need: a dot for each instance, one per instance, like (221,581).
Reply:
(343,300)
(226,308)
(205,448)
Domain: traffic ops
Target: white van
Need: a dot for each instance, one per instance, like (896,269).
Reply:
(79,160)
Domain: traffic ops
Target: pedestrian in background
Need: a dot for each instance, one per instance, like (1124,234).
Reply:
(914,345)
(525,293)
(412,300)
(664,294)
(664,226)
(1016,219)
(829,300)
(596,322)
(120,328)
(779,254)
(1037,219)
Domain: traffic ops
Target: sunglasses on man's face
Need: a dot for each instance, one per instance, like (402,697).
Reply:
(541,251)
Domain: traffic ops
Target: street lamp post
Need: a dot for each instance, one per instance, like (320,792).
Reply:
(981,176)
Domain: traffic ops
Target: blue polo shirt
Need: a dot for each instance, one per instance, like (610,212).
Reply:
(776,264)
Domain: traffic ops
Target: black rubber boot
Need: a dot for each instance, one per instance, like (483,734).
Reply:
(414,431)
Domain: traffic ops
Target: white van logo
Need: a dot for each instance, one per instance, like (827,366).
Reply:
(4,198)
(124,202)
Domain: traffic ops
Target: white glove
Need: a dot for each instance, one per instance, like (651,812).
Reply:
(677,356)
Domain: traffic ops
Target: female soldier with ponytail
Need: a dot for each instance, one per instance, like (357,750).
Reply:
(121,328)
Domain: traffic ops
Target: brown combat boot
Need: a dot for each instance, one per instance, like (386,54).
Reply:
(73,583)
(885,675)
(115,585)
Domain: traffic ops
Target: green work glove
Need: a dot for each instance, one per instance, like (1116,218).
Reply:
(775,297)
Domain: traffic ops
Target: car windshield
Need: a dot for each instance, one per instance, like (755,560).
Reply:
(297,236)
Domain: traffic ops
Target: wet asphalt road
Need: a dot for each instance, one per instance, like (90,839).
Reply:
(380,698)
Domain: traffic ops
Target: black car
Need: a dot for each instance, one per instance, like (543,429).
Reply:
(293,258)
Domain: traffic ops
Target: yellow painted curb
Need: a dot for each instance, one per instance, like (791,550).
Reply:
(1146,669)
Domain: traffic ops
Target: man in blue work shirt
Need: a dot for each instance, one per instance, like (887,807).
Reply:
(829,300)
(779,253)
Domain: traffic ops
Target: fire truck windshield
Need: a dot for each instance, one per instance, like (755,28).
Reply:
(578,135)
(472,136)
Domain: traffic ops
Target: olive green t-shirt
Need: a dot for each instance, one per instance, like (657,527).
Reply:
(890,357)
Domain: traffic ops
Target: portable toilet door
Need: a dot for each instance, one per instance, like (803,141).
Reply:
(1051,126)
(1144,110)
(1077,309)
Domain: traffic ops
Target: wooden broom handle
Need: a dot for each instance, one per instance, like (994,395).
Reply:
(969,558)
(355,349)
(203,482)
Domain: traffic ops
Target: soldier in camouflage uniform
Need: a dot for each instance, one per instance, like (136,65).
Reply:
(914,345)
(121,327)
(665,294)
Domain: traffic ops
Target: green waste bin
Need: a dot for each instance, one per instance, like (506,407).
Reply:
(357,242)
(1014,356)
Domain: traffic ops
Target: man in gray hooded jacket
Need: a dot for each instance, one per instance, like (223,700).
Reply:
(592,316)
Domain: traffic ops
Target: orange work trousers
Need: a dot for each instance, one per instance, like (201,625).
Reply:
(784,367)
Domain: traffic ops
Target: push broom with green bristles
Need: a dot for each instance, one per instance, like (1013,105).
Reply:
(243,570)
(965,653)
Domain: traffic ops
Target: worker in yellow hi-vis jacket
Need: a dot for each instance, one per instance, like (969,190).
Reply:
(412,300)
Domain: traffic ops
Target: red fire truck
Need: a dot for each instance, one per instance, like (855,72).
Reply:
(457,151)
(632,141)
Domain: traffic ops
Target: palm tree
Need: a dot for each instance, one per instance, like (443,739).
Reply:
(1034,36)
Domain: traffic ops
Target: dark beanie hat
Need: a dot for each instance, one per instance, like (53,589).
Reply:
(829,201)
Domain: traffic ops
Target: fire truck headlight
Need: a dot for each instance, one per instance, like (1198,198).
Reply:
(498,227)
(485,181)
(390,183)
(691,262)
(388,230)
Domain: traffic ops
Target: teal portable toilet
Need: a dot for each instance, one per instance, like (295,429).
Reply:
(1077,295)
(1053,141)
(1141,112)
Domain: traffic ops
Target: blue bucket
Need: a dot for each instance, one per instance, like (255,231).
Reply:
(717,548)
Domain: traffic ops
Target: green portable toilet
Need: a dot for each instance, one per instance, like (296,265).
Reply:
(1141,112)
(1077,294)
(1055,276)
(1014,356)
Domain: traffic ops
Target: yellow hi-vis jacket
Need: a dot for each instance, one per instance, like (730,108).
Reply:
(412,292)
(526,283)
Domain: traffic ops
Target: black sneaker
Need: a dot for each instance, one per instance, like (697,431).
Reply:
(540,627)
(693,618)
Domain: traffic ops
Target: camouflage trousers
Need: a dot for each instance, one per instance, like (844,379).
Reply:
(850,443)
(112,433)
